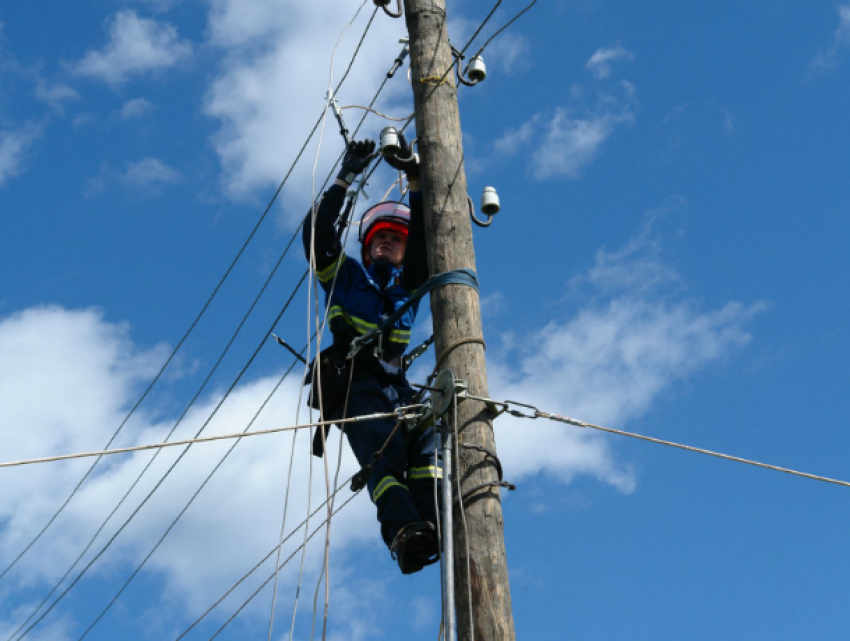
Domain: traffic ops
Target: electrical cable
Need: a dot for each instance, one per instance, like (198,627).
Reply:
(266,582)
(313,282)
(254,569)
(456,451)
(193,324)
(441,79)
(168,436)
(217,437)
(378,113)
(508,24)
(167,473)
(188,503)
(268,208)
(358,127)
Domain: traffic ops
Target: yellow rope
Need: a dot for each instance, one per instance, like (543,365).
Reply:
(435,80)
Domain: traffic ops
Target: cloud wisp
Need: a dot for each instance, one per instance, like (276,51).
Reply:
(566,139)
(15,145)
(150,172)
(826,60)
(136,46)
(601,61)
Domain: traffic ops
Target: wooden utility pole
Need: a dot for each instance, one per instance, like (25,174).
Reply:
(457,327)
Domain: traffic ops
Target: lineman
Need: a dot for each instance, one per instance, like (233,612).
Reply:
(361,294)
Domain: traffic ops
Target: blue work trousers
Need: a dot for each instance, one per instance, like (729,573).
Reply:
(402,481)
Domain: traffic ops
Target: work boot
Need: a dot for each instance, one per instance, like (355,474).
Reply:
(415,546)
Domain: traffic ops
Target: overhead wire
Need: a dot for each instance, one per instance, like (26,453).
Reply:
(280,187)
(192,325)
(313,283)
(190,501)
(266,582)
(499,31)
(365,417)
(268,208)
(168,436)
(167,472)
(254,569)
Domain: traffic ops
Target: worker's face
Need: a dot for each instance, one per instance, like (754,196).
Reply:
(387,245)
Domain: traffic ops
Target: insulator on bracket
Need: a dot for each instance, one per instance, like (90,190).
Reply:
(490,202)
(476,70)
(389,141)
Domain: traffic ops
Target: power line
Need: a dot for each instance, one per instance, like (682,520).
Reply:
(164,476)
(209,439)
(208,302)
(150,387)
(188,503)
(504,406)
(173,429)
(194,322)
(264,559)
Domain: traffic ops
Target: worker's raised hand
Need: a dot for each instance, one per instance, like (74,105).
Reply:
(357,157)
(406,160)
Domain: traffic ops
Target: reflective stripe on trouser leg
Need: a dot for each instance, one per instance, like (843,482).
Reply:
(395,506)
(424,466)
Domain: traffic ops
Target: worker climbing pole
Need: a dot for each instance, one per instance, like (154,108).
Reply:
(482,591)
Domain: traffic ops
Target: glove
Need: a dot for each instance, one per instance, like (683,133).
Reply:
(406,160)
(357,158)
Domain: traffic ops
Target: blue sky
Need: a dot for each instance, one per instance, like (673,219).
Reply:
(670,259)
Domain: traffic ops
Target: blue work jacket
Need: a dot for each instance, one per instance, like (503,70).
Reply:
(361,297)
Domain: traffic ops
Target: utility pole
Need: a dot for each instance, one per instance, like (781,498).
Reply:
(482,592)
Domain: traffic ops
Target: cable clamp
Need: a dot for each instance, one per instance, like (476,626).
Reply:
(400,59)
(343,130)
(560,419)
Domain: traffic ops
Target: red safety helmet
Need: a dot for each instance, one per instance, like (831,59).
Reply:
(388,215)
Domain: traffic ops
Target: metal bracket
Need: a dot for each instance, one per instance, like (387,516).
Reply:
(445,389)
(444,392)
(494,408)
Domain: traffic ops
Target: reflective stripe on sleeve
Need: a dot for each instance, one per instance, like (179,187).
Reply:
(330,271)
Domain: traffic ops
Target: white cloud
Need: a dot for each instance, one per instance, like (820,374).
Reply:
(137,45)
(55,95)
(567,141)
(91,372)
(572,142)
(840,41)
(606,364)
(150,172)
(637,267)
(14,146)
(600,62)
(512,140)
(268,99)
(135,108)
(570,137)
